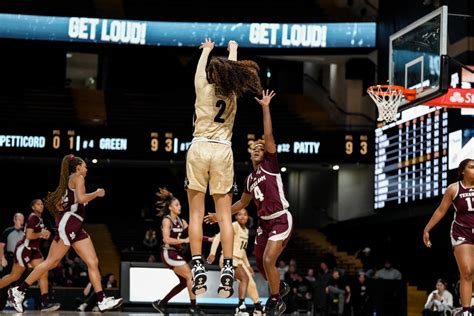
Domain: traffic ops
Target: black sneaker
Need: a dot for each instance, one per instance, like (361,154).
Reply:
(50,307)
(199,278)
(227,280)
(160,308)
(196,311)
(274,307)
(284,289)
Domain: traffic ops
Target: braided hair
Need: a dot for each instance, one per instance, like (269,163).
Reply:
(53,199)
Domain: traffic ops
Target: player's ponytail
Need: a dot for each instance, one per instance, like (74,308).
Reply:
(462,166)
(53,199)
(165,198)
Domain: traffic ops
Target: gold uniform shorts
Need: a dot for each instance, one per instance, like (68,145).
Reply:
(210,163)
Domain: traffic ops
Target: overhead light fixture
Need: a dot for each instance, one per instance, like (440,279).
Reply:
(283,169)
(335,167)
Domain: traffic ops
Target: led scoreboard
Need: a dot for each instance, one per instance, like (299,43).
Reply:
(105,143)
(411,157)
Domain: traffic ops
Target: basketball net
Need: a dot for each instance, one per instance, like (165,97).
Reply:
(388,98)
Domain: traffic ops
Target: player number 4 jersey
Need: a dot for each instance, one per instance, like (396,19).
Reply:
(266,187)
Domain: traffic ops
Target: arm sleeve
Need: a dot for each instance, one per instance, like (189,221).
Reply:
(429,301)
(4,237)
(200,79)
(215,244)
(448,300)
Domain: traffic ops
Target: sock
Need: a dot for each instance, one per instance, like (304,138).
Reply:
(258,306)
(198,258)
(466,309)
(241,301)
(100,296)
(193,303)
(44,299)
(23,287)
(227,262)
(275,297)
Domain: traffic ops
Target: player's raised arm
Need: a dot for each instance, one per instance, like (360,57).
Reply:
(200,78)
(267,96)
(232,48)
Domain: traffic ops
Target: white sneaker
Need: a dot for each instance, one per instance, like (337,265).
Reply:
(109,303)
(241,310)
(82,307)
(16,298)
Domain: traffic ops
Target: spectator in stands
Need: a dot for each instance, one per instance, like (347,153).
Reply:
(310,276)
(361,296)
(319,297)
(282,269)
(150,241)
(439,301)
(151,258)
(388,272)
(330,257)
(110,281)
(293,279)
(367,259)
(339,293)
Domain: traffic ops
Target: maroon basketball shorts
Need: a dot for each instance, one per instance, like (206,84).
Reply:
(172,257)
(24,255)
(461,235)
(277,226)
(69,228)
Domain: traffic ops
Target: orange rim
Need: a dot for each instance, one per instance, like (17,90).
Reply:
(410,94)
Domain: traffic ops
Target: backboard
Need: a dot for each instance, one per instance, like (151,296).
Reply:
(416,57)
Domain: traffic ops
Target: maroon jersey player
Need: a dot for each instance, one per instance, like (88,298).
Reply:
(66,204)
(28,254)
(461,195)
(264,186)
(175,234)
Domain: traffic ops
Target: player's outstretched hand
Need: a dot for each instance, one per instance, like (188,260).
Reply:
(210,218)
(207,44)
(232,44)
(267,96)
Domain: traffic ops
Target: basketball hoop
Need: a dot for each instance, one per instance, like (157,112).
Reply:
(388,98)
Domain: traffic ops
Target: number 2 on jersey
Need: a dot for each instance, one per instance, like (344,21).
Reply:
(221,105)
(258,194)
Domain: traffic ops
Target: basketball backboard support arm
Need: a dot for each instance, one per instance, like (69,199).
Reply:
(454,61)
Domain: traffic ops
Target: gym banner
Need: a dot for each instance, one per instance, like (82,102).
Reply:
(455,97)
(256,35)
